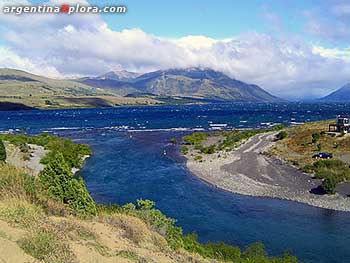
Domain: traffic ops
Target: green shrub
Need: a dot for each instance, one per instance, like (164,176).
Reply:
(2,152)
(282,135)
(315,137)
(337,169)
(157,221)
(255,251)
(173,140)
(329,184)
(198,158)
(184,150)
(195,138)
(208,149)
(278,127)
(235,137)
(222,251)
(72,152)
(57,182)
(318,147)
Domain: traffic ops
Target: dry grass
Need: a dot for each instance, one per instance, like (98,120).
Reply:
(298,148)
(12,181)
(20,212)
(134,229)
(48,245)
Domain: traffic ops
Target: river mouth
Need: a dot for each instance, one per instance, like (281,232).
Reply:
(212,213)
(128,164)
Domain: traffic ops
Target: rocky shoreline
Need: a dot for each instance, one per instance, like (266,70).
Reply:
(248,171)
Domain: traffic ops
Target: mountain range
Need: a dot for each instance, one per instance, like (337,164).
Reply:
(195,83)
(191,85)
(340,95)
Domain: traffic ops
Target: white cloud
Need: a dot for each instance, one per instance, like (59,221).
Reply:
(9,59)
(85,45)
(333,52)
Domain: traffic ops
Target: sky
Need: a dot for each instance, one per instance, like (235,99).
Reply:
(295,49)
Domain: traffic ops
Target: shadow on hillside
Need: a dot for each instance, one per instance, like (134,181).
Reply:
(7,106)
(92,102)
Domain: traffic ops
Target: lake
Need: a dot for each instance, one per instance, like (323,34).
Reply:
(133,159)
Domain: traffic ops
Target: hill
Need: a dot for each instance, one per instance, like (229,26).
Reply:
(340,95)
(22,90)
(302,142)
(195,83)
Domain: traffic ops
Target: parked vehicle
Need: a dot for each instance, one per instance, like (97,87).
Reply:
(322,155)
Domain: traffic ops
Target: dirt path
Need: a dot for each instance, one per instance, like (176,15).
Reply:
(247,171)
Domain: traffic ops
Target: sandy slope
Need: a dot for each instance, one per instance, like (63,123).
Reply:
(111,243)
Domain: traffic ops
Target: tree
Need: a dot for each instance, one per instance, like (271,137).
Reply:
(2,152)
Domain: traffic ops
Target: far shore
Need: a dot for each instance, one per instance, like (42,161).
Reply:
(247,171)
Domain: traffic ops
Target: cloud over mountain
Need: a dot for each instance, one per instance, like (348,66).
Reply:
(86,45)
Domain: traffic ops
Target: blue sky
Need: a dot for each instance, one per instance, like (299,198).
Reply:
(294,48)
(218,19)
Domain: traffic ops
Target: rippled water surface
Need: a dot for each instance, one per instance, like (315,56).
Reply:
(129,162)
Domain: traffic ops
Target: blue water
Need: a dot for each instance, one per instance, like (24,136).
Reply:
(129,163)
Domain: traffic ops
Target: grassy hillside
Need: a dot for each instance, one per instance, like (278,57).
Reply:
(302,142)
(52,218)
(39,92)
(305,140)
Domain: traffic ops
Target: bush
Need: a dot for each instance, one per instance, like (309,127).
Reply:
(315,137)
(72,152)
(2,152)
(336,169)
(198,158)
(222,251)
(329,184)
(195,138)
(173,140)
(157,221)
(282,135)
(255,251)
(318,147)
(234,137)
(57,182)
(208,150)
(184,150)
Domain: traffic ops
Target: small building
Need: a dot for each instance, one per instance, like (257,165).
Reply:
(342,125)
